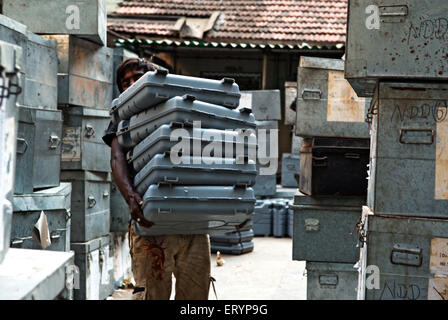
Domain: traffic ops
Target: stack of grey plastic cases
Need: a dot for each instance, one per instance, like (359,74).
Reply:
(236,248)
(409,254)
(410,33)
(95,260)
(290,167)
(331,281)
(158,86)
(196,209)
(41,72)
(85,18)
(159,141)
(38,149)
(82,144)
(85,73)
(265,104)
(184,109)
(262,221)
(326,105)
(233,237)
(90,204)
(10,59)
(408,171)
(55,204)
(195,171)
(325,229)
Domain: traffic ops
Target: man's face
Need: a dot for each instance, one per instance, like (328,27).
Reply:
(130,77)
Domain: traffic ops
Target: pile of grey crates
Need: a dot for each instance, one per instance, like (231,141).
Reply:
(332,178)
(235,243)
(273,217)
(168,123)
(62,177)
(404,225)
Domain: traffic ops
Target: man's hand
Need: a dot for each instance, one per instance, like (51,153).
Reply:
(135,203)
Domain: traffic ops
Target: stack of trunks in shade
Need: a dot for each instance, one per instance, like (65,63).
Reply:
(189,145)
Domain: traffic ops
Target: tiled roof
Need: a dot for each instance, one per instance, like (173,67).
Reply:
(321,22)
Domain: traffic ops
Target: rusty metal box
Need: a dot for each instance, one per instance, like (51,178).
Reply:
(83,18)
(85,73)
(55,203)
(38,159)
(327,106)
(395,39)
(408,169)
(406,257)
(265,104)
(82,144)
(90,204)
(41,72)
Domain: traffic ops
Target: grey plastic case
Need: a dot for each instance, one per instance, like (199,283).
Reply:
(195,171)
(239,248)
(158,86)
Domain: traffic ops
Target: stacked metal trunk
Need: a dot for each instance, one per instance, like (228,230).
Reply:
(403,229)
(334,155)
(189,185)
(35,206)
(266,107)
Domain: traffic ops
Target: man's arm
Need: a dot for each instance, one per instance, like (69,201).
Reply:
(120,173)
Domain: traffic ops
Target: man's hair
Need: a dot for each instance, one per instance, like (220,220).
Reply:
(132,64)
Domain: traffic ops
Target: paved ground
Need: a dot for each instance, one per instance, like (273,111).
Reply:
(267,273)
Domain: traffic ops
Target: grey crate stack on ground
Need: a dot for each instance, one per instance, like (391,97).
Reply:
(236,243)
(205,192)
(334,153)
(403,228)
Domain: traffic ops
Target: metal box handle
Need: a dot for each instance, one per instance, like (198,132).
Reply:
(352,155)
(329,280)
(171,180)
(17,241)
(54,142)
(105,194)
(310,94)
(92,202)
(320,161)
(22,146)
(406,255)
(393,14)
(164,211)
(403,131)
(90,130)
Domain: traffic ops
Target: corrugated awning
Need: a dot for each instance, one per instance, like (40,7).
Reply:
(229,45)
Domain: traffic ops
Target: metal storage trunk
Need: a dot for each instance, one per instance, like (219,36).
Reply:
(38,149)
(334,166)
(331,281)
(29,274)
(265,104)
(325,229)
(403,40)
(327,106)
(83,18)
(196,209)
(55,203)
(290,98)
(90,204)
(120,55)
(120,214)
(160,141)
(239,248)
(262,221)
(85,73)
(296,143)
(158,86)
(183,110)
(279,217)
(265,185)
(95,260)
(195,171)
(410,254)
(41,71)
(233,237)
(408,169)
(9,62)
(82,144)
(290,166)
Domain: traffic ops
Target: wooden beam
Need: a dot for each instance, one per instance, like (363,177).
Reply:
(264,72)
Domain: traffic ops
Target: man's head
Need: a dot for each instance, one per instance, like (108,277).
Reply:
(130,71)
